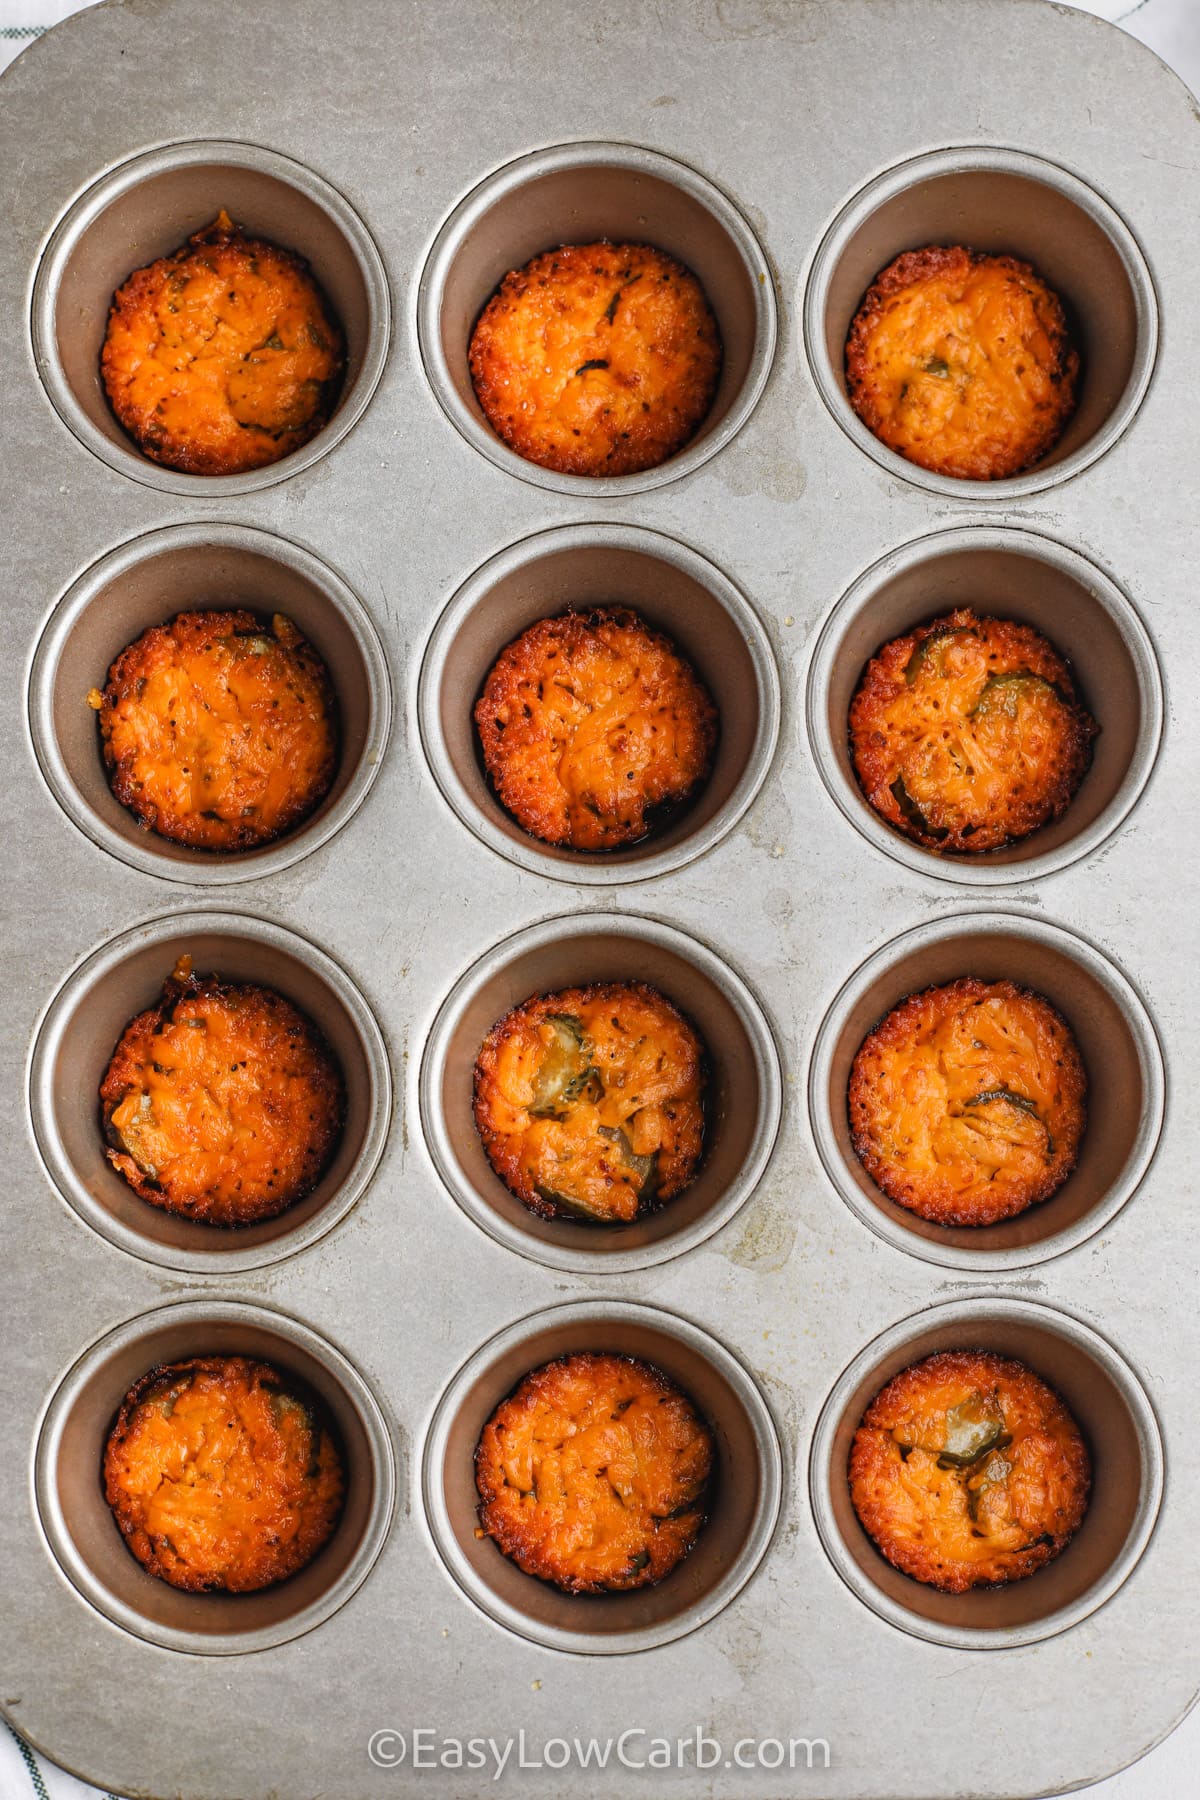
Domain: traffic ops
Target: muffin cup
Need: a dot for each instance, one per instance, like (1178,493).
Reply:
(1010,574)
(578,194)
(1120,1051)
(997,200)
(86,1541)
(677,592)
(743,1509)
(742,1102)
(1112,1410)
(147,207)
(78,1033)
(189,568)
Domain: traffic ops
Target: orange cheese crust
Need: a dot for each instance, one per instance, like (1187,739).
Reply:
(223,356)
(219,731)
(593,1474)
(594,729)
(590,1102)
(962,362)
(966,734)
(222,1473)
(969,1471)
(223,1103)
(597,359)
(967,1102)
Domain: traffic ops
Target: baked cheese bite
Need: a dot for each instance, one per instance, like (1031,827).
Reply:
(590,1102)
(594,1473)
(962,362)
(222,1103)
(967,734)
(222,1473)
(969,1471)
(219,730)
(967,1102)
(597,359)
(223,356)
(595,729)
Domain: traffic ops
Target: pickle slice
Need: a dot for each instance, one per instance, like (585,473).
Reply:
(929,655)
(582,1209)
(166,1391)
(912,812)
(995,1473)
(971,1431)
(1006,1096)
(1003,693)
(128,1130)
(644,1167)
(565,1075)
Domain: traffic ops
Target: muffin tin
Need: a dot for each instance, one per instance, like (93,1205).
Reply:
(786,151)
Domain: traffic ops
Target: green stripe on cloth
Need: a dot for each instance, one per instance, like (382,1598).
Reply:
(35,1774)
(16,31)
(27,1757)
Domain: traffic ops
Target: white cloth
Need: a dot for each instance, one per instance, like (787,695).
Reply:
(26,1776)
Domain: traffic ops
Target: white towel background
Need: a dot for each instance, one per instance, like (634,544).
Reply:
(1170,27)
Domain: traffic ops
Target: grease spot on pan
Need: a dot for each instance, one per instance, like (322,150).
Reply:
(766,1241)
(751,470)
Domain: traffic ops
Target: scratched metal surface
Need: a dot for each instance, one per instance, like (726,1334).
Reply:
(790,108)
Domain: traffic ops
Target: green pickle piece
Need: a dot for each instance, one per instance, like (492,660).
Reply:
(1002,693)
(931,646)
(565,1074)
(971,1431)
(644,1167)
(1006,1096)
(995,1473)
(581,1208)
(912,812)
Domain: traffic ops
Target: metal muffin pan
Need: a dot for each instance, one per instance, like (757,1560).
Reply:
(75,1041)
(79,1527)
(192,568)
(146,208)
(1113,1411)
(742,1101)
(460,144)
(746,1486)
(1116,1038)
(996,199)
(1010,574)
(578,193)
(674,590)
